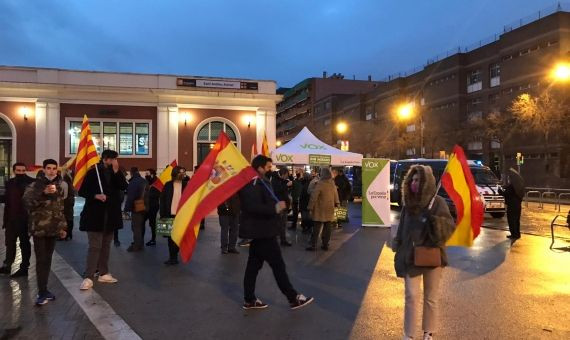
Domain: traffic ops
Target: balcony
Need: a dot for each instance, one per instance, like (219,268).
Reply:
(478,86)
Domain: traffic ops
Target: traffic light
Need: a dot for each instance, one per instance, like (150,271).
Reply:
(520,158)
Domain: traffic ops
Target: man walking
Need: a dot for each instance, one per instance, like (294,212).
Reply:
(16,222)
(281,184)
(44,201)
(135,204)
(101,215)
(260,222)
(228,213)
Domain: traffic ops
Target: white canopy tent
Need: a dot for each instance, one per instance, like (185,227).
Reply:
(306,149)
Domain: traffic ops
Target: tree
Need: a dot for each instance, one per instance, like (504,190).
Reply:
(496,127)
(545,114)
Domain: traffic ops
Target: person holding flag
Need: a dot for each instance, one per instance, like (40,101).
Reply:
(425,226)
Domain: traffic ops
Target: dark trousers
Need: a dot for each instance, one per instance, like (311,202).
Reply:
(325,237)
(283,227)
(295,208)
(514,219)
(229,232)
(43,247)
(151,217)
(172,249)
(306,222)
(69,228)
(261,250)
(14,231)
(98,253)
(137,225)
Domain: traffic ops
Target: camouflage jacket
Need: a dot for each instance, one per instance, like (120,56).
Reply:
(46,218)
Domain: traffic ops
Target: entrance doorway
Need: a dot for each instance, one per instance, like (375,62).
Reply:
(5,155)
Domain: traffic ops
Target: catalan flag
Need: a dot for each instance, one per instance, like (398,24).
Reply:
(221,174)
(165,176)
(265,146)
(86,154)
(459,184)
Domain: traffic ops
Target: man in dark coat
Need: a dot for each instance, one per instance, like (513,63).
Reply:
(101,215)
(281,185)
(296,192)
(169,199)
(514,194)
(228,213)
(136,190)
(44,201)
(259,222)
(343,189)
(68,202)
(153,205)
(16,221)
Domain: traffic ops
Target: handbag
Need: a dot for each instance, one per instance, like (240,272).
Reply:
(139,206)
(164,226)
(341,214)
(427,256)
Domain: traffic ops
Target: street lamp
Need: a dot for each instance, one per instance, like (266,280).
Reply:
(341,127)
(278,143)
(561,72)
(405,112)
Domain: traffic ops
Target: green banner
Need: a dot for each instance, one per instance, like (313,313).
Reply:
(319,160)
(376,192)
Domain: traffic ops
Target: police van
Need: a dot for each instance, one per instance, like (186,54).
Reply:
(485,180)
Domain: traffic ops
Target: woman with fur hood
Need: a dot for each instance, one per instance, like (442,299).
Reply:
(427,225)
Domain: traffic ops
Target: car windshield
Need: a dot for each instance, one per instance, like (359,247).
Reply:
(484,176)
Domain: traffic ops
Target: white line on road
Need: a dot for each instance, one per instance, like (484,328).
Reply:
(101,314)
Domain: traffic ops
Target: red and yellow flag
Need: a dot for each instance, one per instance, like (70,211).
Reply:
(165,176)
(265,146)
(459,184)
(253,151)
(222,174)
(86,155)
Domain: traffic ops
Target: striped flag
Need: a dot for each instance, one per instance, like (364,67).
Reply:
(222,174)
(265,146)
(165,176)
(86,155)
(253,151)
(459,184)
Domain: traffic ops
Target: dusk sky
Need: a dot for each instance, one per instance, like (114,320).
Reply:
(286,41)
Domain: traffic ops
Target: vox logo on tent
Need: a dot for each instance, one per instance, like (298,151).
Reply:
(312,146)
(284,158)
(371,164)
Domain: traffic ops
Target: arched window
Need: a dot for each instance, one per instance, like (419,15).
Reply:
(7,150)
(207,136)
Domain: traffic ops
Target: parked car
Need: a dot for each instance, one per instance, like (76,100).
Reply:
(486,181)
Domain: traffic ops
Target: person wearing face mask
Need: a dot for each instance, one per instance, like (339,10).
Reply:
(169,199)
(44,201)
(16,221)
(102,215)
(425,224)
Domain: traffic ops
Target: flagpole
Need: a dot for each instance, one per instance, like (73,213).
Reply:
(99,178)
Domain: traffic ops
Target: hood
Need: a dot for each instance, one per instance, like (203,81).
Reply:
(416,202)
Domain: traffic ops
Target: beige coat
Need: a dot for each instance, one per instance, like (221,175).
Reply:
(323,200)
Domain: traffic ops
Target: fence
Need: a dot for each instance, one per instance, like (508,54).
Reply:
(546,195)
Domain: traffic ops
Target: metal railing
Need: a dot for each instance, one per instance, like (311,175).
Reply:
(564,194)
(527,196)
(554,195)
(546,194)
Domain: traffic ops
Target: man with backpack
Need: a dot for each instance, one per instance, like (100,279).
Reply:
(136,203)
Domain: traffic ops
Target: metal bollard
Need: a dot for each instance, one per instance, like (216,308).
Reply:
(564,194)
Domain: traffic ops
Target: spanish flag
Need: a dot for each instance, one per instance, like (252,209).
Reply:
(86,155)
(222,174)
(459,184)
(165,176)
(265,146)
(253,151)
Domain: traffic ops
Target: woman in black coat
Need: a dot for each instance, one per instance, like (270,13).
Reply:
(167,209)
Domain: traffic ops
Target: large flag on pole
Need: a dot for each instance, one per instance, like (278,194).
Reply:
(459,184)
(165,176)
(221,174)
(86,154)
(253,151)
(265,146)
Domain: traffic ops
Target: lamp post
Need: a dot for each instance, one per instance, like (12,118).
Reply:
(406,112)
(341,128)
(561,72)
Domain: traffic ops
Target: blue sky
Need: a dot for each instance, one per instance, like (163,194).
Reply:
(282,40)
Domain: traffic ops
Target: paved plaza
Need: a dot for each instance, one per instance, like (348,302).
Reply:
(493,290)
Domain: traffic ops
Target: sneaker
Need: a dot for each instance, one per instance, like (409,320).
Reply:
(428,336)
(41,300)
(5,270)
(151,243)
(233,251)
(48,295)
(257,304)
(20,273)
(301,301)
(224,251)
(244,243)
(171,262)
(86,284)
(107,278)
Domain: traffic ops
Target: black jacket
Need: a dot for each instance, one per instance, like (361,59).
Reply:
(102,216)
(166,198)
(258,217)
(136,191)
(69,201)
(281,189)
(511,197)
(14,209)
(343,187)
(230,207)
